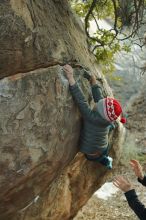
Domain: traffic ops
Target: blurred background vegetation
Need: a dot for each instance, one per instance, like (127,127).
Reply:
(125,18)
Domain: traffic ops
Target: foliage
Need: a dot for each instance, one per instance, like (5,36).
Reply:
(104,43)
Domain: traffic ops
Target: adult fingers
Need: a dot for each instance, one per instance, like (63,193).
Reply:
(134,162)
(115,184)
(119,178)
(118,181)
(122,180)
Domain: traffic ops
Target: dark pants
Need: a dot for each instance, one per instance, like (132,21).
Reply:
(103,159)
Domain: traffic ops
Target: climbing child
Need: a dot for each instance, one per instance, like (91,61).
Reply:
(96,121)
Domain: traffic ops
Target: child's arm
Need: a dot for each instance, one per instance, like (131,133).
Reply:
(78,94)
(96,89)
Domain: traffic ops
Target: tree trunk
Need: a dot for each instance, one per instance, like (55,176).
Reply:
(41,175)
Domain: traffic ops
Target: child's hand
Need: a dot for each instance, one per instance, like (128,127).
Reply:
(137,168)
(93,80)
(69,74)
(90,78)
(122,183)
(68,70)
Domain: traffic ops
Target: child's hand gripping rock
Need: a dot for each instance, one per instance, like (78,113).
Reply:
(69,74)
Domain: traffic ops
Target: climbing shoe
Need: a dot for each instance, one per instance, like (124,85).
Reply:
(104,160)
(107,161)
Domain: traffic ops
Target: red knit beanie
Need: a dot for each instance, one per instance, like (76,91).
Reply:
(111,109)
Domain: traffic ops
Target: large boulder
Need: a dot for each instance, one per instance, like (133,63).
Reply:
(42,175)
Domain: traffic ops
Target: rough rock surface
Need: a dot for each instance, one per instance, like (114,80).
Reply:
(36,34)
(41,175)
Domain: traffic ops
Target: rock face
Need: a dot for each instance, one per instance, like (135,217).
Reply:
(41,175)
(35,33)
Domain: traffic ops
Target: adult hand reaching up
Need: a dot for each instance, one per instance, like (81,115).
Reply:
(122,183)
(131,196)
(137,169)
